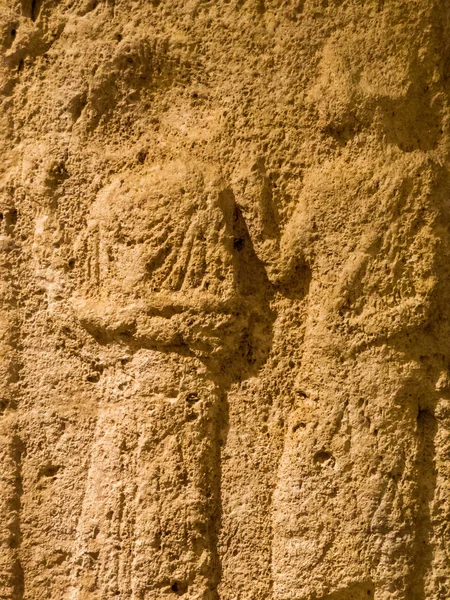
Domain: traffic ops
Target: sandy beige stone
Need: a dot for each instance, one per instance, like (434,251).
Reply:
(225,299)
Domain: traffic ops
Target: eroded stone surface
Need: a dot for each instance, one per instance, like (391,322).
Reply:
(224,300)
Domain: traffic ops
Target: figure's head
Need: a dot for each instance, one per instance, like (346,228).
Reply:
(166,232)
(160,261)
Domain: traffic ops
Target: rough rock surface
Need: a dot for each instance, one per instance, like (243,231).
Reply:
(225,299)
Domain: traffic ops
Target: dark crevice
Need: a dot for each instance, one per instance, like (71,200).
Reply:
(18,578)
(35,8)
(179,588)
(426,480)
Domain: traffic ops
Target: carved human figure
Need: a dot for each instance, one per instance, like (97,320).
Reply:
(357,509)
(162,292)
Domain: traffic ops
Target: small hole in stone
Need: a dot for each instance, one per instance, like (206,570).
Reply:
(71,263)
(119,37)
(94,378)
(126,334)
(13,33)
(238,244)
(49,471)
(1,217)
(323,458)
(298,426)
(141,156)
(192,397)
(179,588)
(11,217)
